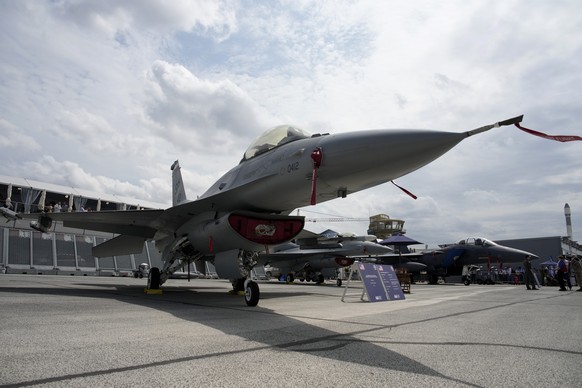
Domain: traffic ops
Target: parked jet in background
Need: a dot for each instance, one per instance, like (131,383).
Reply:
(451,258)
(313,257)
(247,209)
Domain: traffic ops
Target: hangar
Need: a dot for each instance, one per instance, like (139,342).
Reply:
(547,248)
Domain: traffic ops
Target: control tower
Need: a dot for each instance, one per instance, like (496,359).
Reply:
(382,226)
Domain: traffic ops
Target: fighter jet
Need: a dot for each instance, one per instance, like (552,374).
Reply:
(313,257)
(247,210)
(450,259)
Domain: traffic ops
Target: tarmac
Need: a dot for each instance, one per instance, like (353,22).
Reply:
(71,331)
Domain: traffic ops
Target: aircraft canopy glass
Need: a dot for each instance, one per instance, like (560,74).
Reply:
(275,137)
(477,241)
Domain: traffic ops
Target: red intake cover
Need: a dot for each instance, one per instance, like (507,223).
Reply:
(344,261)
(267,231)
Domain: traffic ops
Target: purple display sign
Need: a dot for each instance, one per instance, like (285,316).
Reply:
(390,282)
(372,282)
(380,281)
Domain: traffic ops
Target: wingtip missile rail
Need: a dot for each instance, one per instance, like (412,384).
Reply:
(511,121)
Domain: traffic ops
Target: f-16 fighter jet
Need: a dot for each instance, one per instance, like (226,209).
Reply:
(313,257)
(247,210)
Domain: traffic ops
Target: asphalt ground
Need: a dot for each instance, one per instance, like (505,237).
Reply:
(58,331)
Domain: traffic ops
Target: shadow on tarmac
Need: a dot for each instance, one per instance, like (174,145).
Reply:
(188,301)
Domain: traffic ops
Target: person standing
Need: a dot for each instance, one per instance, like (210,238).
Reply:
(561,273)
(545,275)
(528,274)
(568,274)
(577,268)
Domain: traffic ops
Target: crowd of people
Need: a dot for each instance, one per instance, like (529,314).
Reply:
(559,274)
(566,273)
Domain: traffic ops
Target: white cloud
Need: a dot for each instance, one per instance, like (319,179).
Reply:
(13,139)
(201,114)
(116,19)
(109,94)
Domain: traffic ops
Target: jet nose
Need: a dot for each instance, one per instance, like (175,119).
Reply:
(358,160)
(377,249)
(514,255)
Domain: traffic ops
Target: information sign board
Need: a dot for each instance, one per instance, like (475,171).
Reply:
(372,282)
(380,282)
(390,282)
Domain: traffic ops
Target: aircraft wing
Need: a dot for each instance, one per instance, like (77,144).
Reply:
(139,223)
(402,256)
(143,223)
(404,260)
(305,254)
(407,261)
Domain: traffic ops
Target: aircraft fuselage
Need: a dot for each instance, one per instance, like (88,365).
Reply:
(281,180)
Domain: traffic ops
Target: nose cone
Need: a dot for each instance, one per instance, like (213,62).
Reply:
(358,160)
(514,255)
(373,249)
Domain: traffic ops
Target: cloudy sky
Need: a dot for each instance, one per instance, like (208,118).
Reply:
(105,95)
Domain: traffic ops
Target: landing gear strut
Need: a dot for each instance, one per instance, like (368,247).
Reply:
(154,279)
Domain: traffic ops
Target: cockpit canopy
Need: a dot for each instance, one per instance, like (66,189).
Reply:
(477,241)
(274,137)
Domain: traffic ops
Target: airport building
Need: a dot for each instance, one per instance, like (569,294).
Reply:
(24,249)
(64,250)
(547,248)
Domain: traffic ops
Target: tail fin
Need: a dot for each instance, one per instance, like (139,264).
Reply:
(178,192)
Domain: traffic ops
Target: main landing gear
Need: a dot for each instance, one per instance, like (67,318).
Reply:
(252,293)
(251,290)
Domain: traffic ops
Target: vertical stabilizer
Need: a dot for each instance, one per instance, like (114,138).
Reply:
(178,192)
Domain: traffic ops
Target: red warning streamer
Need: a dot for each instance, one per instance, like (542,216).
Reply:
(550,137)
(406,191)
(317,157)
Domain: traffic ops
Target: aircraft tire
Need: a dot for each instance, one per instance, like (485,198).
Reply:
(154,279)
(290,278)
(320,279)
(339,282)
(252,294)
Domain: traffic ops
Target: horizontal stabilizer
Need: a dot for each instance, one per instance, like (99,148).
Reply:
(120,245)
